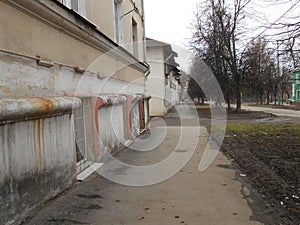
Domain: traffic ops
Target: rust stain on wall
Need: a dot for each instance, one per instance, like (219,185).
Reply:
(39,143)
(5,89)
(42,146)
(47,104)
(43,104)
(34,142)
(39,132)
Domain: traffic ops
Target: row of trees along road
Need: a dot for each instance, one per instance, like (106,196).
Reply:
(255,69)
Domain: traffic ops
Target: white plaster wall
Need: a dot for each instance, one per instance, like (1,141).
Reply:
(146,113)
(155,84)
(135,118)
(172,93)
(36,163)
(35,145)
(111,127)
(22,77)
(169,96)
(157,92)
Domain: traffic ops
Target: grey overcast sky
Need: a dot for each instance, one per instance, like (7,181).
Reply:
(169,20)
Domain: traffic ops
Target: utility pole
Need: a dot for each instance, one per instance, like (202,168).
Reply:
(278,70)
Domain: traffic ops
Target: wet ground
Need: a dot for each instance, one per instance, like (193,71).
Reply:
(187,197)
(265,151)
(254,180)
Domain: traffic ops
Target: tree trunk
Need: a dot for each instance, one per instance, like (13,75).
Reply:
(202,101)
(282,96)
(236,73)
(238,90)
(228,104)
(238,101)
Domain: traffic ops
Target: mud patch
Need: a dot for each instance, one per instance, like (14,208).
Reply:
(268,157)
(93,196)
(65,221)
(94,206)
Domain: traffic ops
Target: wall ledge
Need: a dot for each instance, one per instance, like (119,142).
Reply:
(112,100)
(137,98)
(20,109)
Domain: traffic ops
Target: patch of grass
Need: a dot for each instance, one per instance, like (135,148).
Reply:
(267,128)
(201,107)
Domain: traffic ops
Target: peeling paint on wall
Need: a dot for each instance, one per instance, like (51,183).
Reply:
(22,77)
(36,163)
(36,160)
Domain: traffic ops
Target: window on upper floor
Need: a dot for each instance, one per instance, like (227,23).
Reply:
(298,95)
(78,6)
(135,44)
(74,5)
(118,21)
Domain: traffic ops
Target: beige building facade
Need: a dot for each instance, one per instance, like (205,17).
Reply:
(50,31)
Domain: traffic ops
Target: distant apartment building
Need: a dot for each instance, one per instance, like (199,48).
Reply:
(296,88)
(72,85)
(163,83)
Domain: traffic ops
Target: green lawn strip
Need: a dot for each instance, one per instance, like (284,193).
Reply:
(270,129)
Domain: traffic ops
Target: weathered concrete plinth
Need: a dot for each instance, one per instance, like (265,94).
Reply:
(36,154)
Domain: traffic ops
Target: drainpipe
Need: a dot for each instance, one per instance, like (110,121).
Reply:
(169,57)
(144,40)
(145,49)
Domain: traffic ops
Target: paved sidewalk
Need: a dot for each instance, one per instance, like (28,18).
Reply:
(275,111)
(212,197)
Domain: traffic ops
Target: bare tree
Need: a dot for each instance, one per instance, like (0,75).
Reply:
(217,35)
(195,91)
(286,31)
(261,76)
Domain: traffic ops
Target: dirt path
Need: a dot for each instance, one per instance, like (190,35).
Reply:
(275,111)
(213,197)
